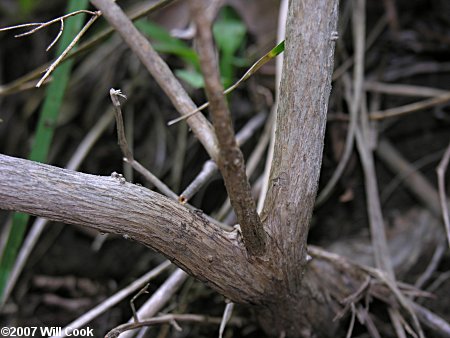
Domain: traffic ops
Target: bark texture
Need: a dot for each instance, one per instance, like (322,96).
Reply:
(111,205)
(291,295)
(301,119)
(231,160)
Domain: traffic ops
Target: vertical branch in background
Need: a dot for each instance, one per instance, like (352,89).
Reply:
(363,137)
(231,161)
(442,167)
(363,133)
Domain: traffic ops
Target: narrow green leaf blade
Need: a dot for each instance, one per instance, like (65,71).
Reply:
(44,134)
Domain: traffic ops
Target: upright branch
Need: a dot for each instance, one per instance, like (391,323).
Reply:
(231,161)
(300,127)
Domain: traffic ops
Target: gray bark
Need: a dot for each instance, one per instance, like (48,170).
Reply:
(290,295)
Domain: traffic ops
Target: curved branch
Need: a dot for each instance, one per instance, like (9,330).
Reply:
(111,205)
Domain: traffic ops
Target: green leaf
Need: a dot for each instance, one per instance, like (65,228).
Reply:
(44,134)
(278,49)
(193,78)
(229,32)
(165,43)
(187,54)
(27,6)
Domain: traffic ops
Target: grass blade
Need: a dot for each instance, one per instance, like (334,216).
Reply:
(44,134)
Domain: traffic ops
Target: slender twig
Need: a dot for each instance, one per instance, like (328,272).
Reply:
(431,267)
(210,167)
(414,181)
(136,296)
(392,17)
(348,150)
(403,89)
(441,169)
(378,234)
(226,317)
(254,68)
(363,133)
(161,296)
(41,25)
(382,258)
(128,157)
(61,29)
(410,108)
(69,47)
(352,322)
(371,39)
(281,35)
(160,71)
(432,321)
(203,177)
(114,299)
(414,69)
(255,157)
(115,94)
(164,319)
(397,320)
(122,140)
(23,82)
(231,161)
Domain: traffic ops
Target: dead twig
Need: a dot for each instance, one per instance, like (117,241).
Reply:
(348,150)
(231,161)
(392,17)
(136,296)
(128,155)
(129,158)
(363,143)
(381,251)
(210,167)
(226,317)
(432,321)
(69,47)
(41,25)
(164,319)
(23,82)
(114,299)
(161,296)
(415,182)
(432,266)
(402,89)
(410,108)
(441,169)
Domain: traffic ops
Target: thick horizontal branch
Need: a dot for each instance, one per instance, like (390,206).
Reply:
(111,205)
